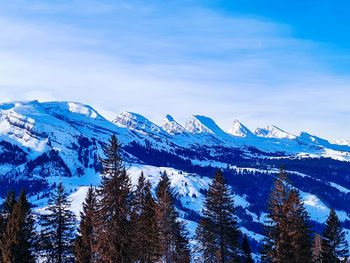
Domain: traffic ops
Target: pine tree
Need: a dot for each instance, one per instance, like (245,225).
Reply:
(247,253)
(114,208)
(86,240)
(276,230)
(334,244)
(173,238)
(206,244)
(182,252)
(287,232)
(146,246)
(58,227)
(6,211)
(3,221)
(2,227)
(217,232)
(317,249)
(18,240)
(299,228)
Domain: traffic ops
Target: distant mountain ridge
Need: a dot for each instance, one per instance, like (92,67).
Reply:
(42,118)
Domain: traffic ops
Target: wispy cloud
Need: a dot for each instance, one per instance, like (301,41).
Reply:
(160,58)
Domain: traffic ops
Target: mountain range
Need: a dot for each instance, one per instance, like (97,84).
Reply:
(42,143)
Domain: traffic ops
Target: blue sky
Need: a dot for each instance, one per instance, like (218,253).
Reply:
(262,62)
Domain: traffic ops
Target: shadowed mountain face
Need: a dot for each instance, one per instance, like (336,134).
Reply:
(40,142)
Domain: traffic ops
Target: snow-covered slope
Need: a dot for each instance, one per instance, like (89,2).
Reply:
(273,132)
(136,122)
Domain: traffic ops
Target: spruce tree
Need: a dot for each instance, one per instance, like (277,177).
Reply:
(86,239)
(57,229)
(18,239)
(247,253)
(334,245)
(182,252)
(3,222)
(288,235)
(6,211)
(276,230)
(206,246)
(299,229)
(114,208)
(217,232)
(173,238)
(146,246)
(2,226)
(317,249)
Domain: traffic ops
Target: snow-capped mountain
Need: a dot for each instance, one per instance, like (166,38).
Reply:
(238,129)
(171,126)
(41,143)
(134,121)
(201,124)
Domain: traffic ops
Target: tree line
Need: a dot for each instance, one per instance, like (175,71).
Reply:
(126,225)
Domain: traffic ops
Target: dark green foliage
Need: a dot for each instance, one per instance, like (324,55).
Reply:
(145,232)
(288,235)
(173,238)
(334,244)
(18,239)
(247,253)
(217,232)
(86,239)
(57,229)
(113,225)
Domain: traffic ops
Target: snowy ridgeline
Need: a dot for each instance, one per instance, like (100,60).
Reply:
(189,188)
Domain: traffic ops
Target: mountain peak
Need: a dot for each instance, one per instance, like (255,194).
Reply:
(135,121)
(273,131)
(77,108)
(238,129)
(171,126)
(342,142)
(202,124)
(168,117)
